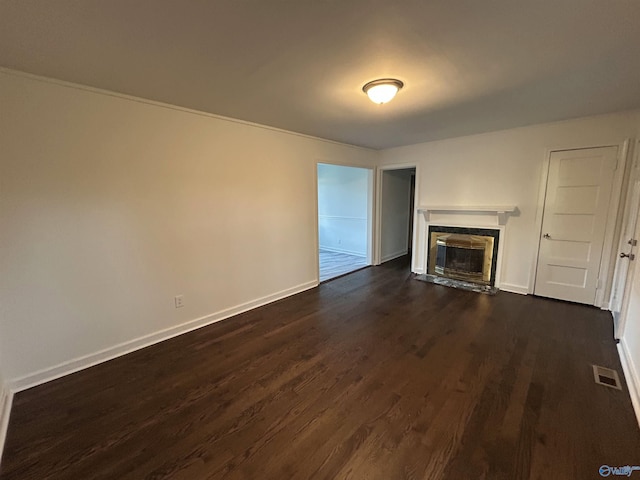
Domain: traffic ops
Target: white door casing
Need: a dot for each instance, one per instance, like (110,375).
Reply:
(579,187)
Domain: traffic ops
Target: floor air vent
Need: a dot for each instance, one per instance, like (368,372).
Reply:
(607,377)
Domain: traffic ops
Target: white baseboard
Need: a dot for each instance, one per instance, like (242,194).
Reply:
(631,375)
(86,361)
(394,255)
(6,399)
(341,250)
(509,287)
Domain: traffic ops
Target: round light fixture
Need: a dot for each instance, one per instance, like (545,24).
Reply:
(383,90)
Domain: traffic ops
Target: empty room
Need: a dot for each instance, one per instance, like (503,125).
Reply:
(172,175)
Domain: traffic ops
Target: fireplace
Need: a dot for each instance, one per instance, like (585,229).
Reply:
(461,253)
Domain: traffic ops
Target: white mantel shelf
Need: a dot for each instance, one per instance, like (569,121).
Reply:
(501,211)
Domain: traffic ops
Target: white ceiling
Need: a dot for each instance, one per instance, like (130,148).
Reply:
(469,66)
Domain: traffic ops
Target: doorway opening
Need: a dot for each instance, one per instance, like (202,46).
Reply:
(345,201)
(397,205)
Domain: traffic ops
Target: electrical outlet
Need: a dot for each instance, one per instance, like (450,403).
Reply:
(179,301)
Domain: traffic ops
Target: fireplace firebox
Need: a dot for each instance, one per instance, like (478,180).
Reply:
(461,253)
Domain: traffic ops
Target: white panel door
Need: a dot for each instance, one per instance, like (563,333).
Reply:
(574,223)
(627,242)
(631,304)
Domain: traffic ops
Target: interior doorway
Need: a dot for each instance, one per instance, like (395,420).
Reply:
(397,187)
(345,204)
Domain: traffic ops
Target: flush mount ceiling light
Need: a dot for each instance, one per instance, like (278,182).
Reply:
(383,90)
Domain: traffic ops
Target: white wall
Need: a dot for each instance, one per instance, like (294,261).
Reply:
(343,208)
(503,168)
(111,206)
(394,213)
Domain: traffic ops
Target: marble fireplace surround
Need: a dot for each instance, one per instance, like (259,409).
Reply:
(467,216)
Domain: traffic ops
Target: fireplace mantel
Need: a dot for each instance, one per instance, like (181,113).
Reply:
(500,211)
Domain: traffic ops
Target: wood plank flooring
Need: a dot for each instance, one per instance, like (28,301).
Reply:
(371,376)
(334,264)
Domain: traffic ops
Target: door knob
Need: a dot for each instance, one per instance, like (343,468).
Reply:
(546,235)
(630,256)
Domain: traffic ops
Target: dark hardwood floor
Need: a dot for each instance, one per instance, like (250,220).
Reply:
(370,376)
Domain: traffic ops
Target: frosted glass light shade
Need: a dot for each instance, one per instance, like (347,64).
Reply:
(382,91)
